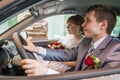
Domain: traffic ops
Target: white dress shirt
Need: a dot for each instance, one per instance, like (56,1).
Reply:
(97,43)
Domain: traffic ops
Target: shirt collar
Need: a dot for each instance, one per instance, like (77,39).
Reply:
(97,43)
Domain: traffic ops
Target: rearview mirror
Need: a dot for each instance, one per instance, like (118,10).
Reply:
(24,34)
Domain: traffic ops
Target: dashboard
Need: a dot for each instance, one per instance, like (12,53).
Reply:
(8,58)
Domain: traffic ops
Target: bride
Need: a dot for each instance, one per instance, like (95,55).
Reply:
(72,39)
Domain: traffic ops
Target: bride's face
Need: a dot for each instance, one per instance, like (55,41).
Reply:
(72,28)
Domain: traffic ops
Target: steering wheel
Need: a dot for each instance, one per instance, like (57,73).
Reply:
(19,42)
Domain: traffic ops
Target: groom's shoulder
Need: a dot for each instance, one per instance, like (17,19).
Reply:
(116,40)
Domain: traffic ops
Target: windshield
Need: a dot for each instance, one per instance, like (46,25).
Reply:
(13,21)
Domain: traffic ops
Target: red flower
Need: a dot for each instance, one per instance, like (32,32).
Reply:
(89,61)
(92,62)
(55,45)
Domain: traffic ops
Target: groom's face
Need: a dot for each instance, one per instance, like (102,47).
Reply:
(91,27)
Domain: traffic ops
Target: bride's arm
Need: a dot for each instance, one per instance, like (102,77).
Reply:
(70,63)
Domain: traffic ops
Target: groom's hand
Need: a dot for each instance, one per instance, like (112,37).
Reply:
(30,46)
(33,67)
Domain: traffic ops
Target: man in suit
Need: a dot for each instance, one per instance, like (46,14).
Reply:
(99,23)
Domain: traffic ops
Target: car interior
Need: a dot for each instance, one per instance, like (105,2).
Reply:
(11,40)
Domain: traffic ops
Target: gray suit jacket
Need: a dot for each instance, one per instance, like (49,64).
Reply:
(108,52)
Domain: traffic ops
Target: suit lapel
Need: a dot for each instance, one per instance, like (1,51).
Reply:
(102,46)
(85,52)
(82,51)
(99,50)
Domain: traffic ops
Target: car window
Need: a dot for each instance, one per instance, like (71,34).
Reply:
(53,27)
(50,28)
(13,20)
(116,30)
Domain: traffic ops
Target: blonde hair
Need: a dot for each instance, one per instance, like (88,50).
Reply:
(77,20)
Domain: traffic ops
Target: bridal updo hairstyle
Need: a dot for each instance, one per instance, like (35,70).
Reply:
(78,20)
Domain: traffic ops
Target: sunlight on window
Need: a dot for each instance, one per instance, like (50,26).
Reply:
(57,26)
(116,30)
(14,20)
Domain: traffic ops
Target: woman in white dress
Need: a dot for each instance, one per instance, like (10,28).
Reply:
(74,31)
(71,40)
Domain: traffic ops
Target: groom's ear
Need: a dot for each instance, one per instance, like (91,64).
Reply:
(104,24)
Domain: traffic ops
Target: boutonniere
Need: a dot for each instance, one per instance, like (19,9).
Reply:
(55,45)
(92,62)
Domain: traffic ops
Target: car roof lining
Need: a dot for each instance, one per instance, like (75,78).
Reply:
(79,6)
(4,3)
(56,6)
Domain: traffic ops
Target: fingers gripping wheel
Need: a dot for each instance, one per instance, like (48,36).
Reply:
(19,42)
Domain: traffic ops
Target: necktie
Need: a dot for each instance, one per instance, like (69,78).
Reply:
(91,49)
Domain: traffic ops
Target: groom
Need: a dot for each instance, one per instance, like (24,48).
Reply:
(98,25)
